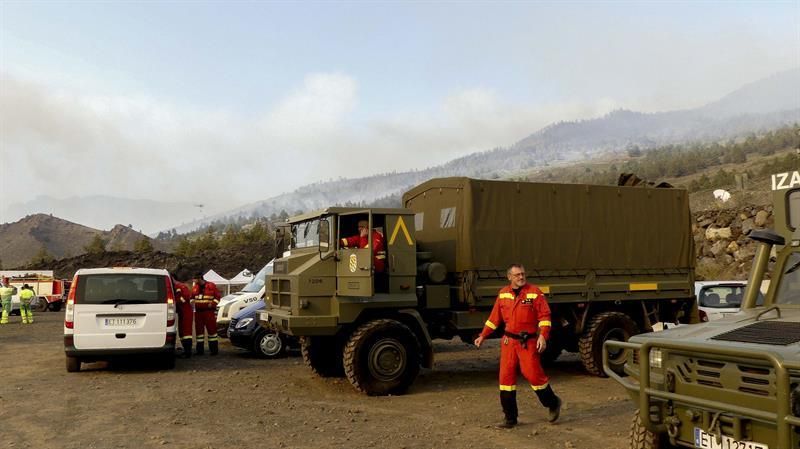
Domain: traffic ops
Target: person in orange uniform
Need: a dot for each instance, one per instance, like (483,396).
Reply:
(183,299)
(206,297)
(362,241)
(523,308)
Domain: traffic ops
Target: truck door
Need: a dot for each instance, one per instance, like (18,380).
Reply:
(354,265)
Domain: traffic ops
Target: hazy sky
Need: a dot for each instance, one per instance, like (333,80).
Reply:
(233,102)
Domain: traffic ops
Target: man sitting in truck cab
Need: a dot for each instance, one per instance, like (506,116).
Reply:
(362,241)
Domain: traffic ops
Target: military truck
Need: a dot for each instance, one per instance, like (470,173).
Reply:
(734,382)
(611,260)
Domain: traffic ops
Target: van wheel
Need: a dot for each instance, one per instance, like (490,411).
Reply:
(168,361)
(641,438)
(269,344)
(382,357)
(604,326)
(323,355)
(73,364)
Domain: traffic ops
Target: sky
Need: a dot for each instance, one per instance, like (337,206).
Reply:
(227,103)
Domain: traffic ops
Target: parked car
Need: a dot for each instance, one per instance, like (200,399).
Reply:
(119,312)
(716,299)
(233,303)
(245,332)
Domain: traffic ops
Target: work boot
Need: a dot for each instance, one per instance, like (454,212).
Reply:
(213,347)
(200,349)
(554,412)
(549,399)
(187,349)
(508,400)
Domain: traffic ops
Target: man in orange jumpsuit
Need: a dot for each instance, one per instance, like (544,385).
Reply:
(183,298)
(523,308)
(206,297)
(362,241)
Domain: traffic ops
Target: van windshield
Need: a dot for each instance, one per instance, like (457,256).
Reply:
(121,288)
(259,279)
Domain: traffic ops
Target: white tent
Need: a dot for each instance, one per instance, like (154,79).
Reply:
(223,284)
(243,278)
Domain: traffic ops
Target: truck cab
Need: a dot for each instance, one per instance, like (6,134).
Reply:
(733,382)
(324,291)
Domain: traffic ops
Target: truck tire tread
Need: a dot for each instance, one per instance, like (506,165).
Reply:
(590,344)
(322,362)
(641,438)
(359,375)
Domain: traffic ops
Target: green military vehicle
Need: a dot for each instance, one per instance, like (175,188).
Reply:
(735,382)
(612,261)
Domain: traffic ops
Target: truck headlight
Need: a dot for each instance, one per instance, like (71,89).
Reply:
(655,358)
(243,323)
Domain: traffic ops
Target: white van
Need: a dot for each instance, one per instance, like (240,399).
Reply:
(250,294)
(113,312)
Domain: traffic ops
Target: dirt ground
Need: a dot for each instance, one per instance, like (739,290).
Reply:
(237,400)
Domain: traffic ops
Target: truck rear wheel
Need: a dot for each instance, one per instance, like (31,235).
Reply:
(641,438)
(606,326)
(323,355)
(382,357)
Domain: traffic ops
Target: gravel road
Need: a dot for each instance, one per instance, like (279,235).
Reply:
(237,400)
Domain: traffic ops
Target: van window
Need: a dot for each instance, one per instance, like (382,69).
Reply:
(109,288)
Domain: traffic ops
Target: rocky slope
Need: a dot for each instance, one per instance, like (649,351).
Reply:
(723,250)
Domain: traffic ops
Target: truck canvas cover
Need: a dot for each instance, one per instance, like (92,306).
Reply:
(472,224)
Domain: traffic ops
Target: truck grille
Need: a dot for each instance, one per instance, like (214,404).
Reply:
(765,333)
(281,292)
(728,375)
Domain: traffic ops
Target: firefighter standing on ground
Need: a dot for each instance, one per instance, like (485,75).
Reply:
(206,297)
(25,297)
(523,308)
(362,241)
(6,292)
(183,299)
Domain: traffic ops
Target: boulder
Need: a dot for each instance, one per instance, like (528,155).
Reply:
(761,218)
(718,233)
(747,226)
(718,248)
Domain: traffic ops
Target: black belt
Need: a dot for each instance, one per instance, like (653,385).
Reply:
(523,337)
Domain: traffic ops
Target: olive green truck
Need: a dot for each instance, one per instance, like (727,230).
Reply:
(611,260)
(732,383)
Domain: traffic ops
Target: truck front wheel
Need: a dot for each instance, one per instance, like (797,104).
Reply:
(606,326)
(641,438)
(323,355)
(382,357)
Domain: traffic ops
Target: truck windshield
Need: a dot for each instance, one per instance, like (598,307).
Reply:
(305,234)
(789,289)
(259,279)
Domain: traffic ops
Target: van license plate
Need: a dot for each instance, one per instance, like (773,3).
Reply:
(705,440)
(120,322)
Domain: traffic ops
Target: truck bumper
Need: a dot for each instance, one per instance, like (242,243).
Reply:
(288,324)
